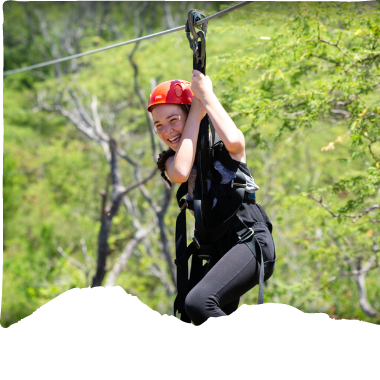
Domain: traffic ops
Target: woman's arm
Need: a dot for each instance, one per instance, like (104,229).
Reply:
(231,136)
(178,167)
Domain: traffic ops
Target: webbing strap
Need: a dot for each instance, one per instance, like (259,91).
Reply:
(181,192)
(243,232)
(206,239)
(184,285)
(231,208)
(183,281)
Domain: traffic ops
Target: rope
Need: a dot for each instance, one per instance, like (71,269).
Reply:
(8,72)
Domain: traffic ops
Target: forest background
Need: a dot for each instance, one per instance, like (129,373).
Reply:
(82,203)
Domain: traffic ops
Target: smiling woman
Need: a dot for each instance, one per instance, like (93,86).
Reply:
(233,269)
(177,127)
(179,132)
(169,121)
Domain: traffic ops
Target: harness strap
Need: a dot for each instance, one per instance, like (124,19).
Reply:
(202,244)
(246,236)
(237,196)
(181,192)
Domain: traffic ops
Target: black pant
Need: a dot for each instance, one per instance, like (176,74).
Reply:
(218,293)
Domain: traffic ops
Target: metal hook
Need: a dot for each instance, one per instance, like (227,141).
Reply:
(202,36)
(193,16)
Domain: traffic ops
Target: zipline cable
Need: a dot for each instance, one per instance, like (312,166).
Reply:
(8,72)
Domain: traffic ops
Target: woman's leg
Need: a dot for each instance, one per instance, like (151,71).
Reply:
(231,307)
(232,276)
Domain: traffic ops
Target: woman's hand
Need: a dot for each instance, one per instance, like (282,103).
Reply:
(201,85)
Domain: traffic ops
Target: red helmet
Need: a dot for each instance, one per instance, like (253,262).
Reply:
(172,91)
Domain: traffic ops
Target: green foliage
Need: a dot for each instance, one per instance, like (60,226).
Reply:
(307,100)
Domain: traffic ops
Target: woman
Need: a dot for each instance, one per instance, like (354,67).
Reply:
(237,271)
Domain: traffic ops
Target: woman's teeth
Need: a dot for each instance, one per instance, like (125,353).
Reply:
(175,139)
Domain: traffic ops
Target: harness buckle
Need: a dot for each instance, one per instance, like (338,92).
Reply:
(204,257)
(196,242)
(238,184)
(184,205)
(246,235)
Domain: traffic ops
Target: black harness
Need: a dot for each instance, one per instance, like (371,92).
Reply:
(211,239)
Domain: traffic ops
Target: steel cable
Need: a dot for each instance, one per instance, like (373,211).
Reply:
(8,72)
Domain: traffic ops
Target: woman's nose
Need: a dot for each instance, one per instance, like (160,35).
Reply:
(168,128)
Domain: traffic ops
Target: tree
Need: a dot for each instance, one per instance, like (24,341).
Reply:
(319,67)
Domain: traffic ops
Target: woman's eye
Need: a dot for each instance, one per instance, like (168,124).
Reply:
(173,120)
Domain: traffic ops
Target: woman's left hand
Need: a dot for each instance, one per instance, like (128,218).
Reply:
(201,85)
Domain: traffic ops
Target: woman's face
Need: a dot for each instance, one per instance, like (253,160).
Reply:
(169,120)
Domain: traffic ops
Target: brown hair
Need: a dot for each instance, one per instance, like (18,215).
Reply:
(162,161)
(168,153)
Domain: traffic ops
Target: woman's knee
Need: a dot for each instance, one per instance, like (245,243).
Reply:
(198,304)
(194,303)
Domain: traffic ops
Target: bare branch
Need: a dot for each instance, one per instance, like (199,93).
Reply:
(361,61)
(345,113)
(70,259)
(126,254)
(168,15)
(359,274)
(369,209)
(369,58)
(360,281)
(131,211)
(122,154)
(327,59)
(373,154)
(98,126)
(82,111)
(145,192)
(354,272)
(141,182)
(295,113)
(163,236)
(161,275)
(138,89)
(85,253)
(355,217)
(87,261)
(328,43)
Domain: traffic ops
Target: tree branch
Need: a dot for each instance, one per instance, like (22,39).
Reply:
(328,43)
(354,272)
(373,154)
(355,217)
(338,64)
(369,209)
(138,89)
(138,183)
(126,254)
(70,259)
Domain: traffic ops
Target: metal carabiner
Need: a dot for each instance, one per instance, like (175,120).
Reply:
(202,36)
(193,16)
